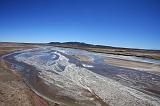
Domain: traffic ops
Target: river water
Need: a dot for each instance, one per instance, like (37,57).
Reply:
(57,75)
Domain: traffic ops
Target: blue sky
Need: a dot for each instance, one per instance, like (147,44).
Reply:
(120,23)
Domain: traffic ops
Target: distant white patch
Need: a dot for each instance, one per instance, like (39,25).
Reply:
(133,58)
(86,65)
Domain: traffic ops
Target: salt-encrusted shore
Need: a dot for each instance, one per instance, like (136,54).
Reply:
(75,80)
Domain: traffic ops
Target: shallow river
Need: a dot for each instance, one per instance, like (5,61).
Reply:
(59,76)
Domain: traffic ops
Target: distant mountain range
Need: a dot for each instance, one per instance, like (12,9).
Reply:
(80,44)
(154,54)
(92,45)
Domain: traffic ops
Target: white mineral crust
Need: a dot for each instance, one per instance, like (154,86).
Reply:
(74,79)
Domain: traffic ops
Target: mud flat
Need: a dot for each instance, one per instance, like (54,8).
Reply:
(59,76)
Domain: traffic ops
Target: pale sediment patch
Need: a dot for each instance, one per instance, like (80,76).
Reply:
(132,58)
(142,66)
(83,58)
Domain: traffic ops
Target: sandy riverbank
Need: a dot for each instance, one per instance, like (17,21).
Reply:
(144,66)
(13,89)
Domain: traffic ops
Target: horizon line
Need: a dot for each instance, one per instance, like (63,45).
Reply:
(79,42)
